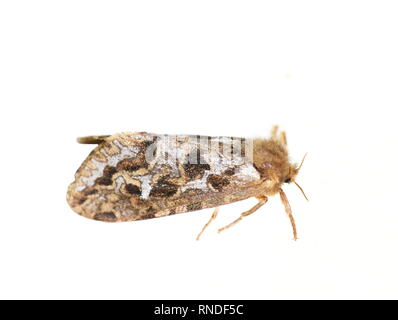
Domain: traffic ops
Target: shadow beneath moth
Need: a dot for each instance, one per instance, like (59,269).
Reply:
(138,175)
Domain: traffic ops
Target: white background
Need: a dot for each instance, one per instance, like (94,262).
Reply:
(326,71)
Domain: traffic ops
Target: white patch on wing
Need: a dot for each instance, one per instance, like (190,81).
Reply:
(145,185)
(168,152)
(96,173)
(247,172)
(198,183)
(119,181)
(111,160)
(80,188)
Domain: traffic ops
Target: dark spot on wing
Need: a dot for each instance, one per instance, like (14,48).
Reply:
(196,165)
(109,171)
(90,191)
(133,189)
(133,164)
(229,172)
(147,216)
(151,209)
(105,216)
(195,171)
(163,189)
(194,206)
(106,179)
(146,143)
(217,182)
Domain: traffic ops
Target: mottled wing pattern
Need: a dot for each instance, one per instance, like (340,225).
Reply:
(133,176)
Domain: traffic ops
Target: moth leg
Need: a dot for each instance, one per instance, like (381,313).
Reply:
(213,216)
(261,201)
(92,139)
(289,213)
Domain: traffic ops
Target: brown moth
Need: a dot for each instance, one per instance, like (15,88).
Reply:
(139,175)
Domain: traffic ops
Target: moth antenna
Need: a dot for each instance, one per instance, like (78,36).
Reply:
(288,210)
(302,191)
(302,161)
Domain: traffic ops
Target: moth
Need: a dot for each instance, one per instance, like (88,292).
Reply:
(138,175)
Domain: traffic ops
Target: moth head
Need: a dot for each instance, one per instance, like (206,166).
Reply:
(271,159)
(291,176)
(293,170)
